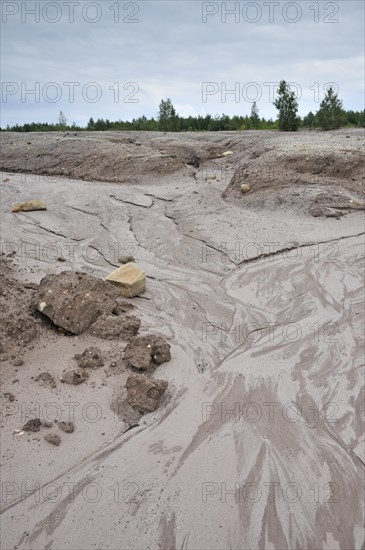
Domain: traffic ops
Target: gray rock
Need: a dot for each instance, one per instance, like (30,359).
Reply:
(53,439)
(91,358)
(143,352)
(111,327)
(144,394)
(74,300)
(74,376)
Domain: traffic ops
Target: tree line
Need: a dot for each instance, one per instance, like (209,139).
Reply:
(330,115)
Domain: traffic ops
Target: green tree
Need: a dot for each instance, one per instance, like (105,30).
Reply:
(91,124)
(168,119)
(331,114)
(254,118)
(309,120)
(62,121)
(287,105)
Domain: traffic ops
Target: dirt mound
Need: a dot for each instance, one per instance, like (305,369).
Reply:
(346,165)
(105,156)
(330,184)
(19,327)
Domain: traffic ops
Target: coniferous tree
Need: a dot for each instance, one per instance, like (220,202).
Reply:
(255,119)
(331,114)
(287,105)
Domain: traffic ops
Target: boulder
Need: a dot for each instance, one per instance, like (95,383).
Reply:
(143,352)
(28,206)
(245,188)
(74,376)
(90,358)
(227,154)
(111,327)
(144,394)
(74,300)
(130,279)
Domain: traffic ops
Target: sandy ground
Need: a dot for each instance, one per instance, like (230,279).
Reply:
(259,441)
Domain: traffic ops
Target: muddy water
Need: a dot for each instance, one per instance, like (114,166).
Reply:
(260,443)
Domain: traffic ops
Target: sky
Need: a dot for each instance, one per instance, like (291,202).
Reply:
(118,59)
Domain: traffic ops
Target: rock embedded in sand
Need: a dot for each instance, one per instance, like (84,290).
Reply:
(325,212)
(53,439)
(28,206)
(111,327)
(46,379)
(90,358)
(227,154)
(144,394)
(143,352)
(126,259)
(67,427)
(74,300)
(74,377)
(33,425)
(130,279)
(121,307)
(245,188)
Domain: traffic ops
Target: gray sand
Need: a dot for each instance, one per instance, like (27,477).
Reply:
(259,440)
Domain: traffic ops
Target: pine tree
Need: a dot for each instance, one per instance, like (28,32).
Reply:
(287,105)
(255,119)
(331,114)
(309,120)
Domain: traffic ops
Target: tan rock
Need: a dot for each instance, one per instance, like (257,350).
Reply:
(245,188)
(227,154)
(130,278)
(34,204)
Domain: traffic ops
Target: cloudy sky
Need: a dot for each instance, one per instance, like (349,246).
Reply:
(117,60)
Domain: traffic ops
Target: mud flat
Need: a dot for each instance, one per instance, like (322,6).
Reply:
(259,439)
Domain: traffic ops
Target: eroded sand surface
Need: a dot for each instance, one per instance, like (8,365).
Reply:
(259,440)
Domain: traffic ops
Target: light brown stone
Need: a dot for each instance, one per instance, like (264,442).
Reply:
(245,188)
(34,204)
(130,278)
